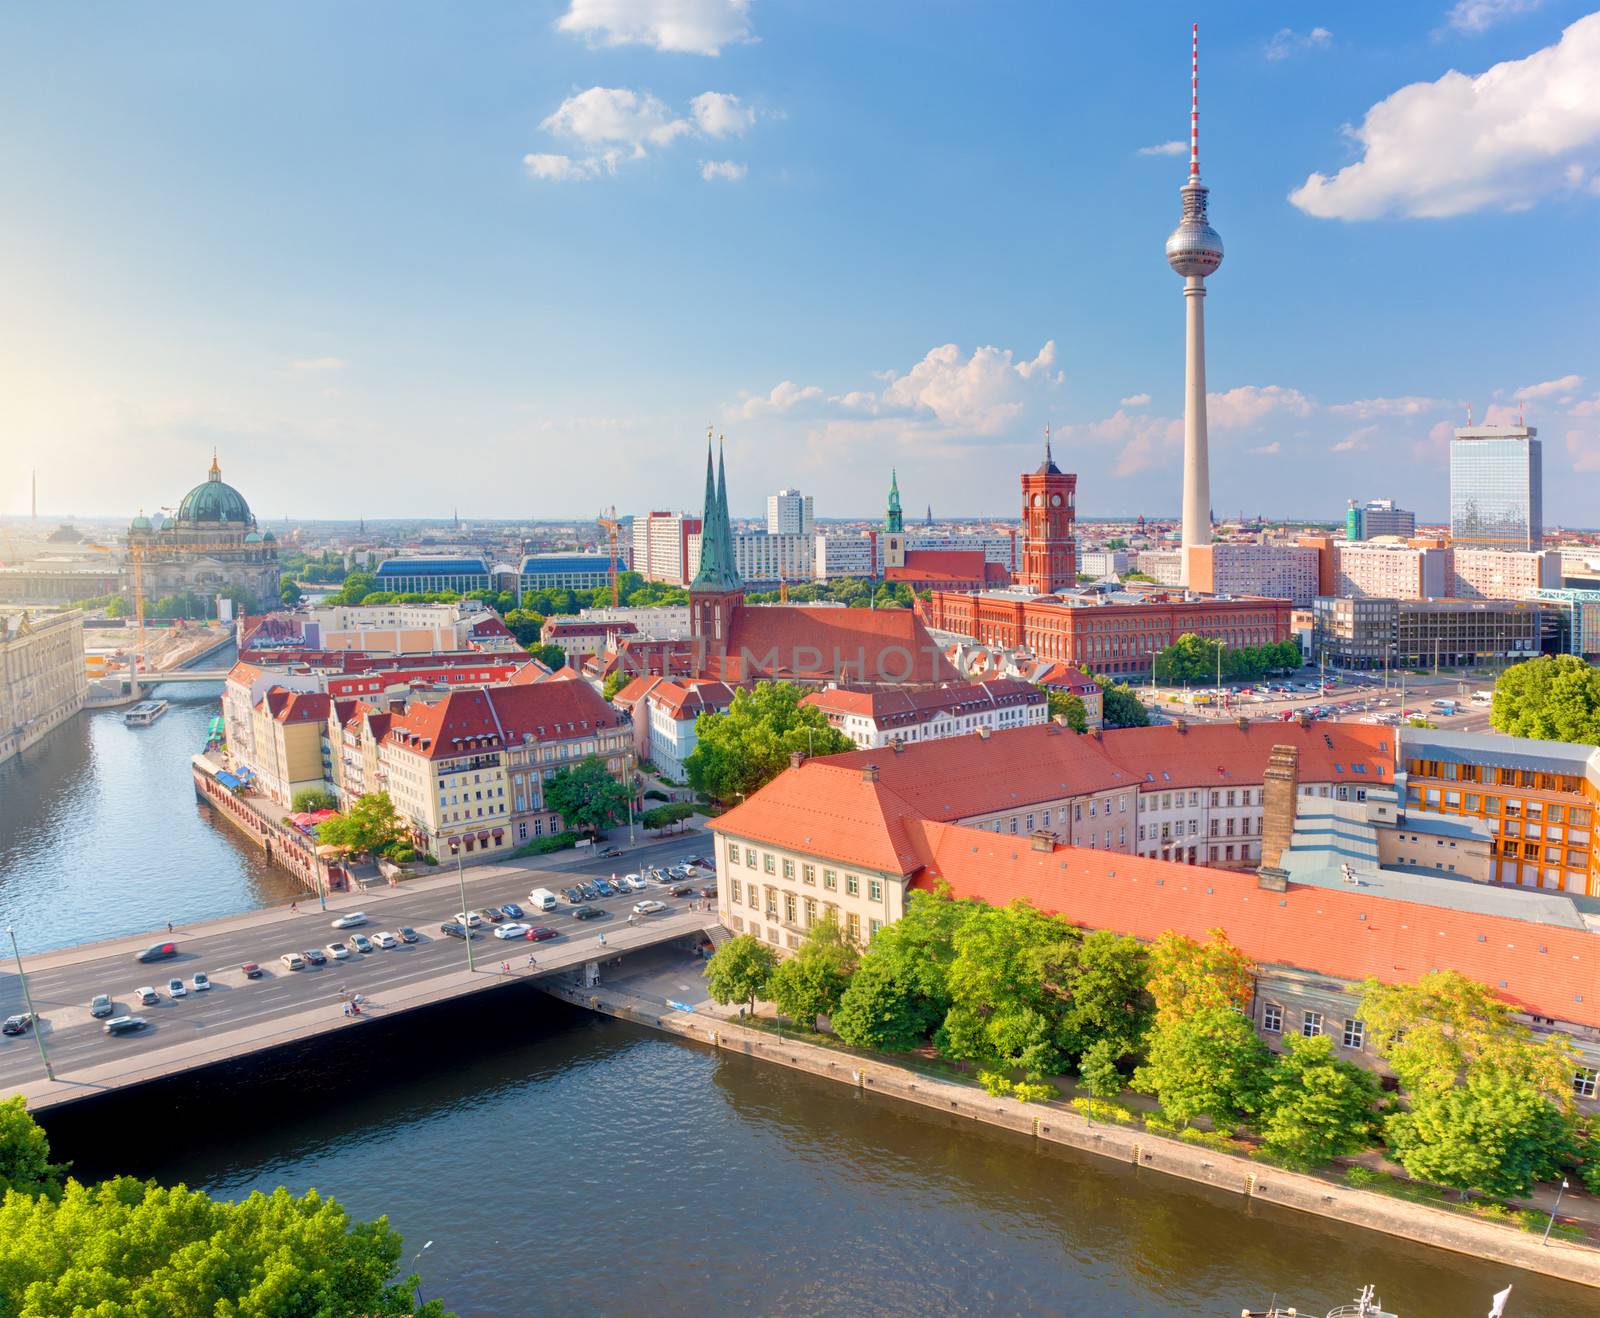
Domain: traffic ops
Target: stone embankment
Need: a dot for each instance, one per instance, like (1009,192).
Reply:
(1257,1181)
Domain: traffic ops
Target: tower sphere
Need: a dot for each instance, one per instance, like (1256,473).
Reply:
(1194,248)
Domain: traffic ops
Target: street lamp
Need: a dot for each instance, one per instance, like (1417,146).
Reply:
(1553,1212)
(466,921)
(413,1269)
(33,1017)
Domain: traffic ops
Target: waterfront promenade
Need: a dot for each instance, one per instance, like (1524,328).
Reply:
(240,1016)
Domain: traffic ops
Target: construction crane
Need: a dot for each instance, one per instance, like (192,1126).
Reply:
(137,554)
(610,525)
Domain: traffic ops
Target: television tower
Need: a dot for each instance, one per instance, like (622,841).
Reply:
(1195,250)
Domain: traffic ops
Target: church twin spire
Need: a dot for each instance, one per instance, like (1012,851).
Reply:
(717,571)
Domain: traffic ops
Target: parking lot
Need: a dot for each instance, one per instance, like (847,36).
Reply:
(1359,697)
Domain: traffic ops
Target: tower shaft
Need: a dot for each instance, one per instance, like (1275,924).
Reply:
(1196,445)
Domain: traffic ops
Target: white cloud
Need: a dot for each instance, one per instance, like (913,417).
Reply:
(1501,140)
(784,397)
(727,170)
(978,395)
(1588,407)
(698,27)
(1173,148)
(1267,450)
(1480,15)
(616,116)
(1286,42)
(1249,404)
(560,168)
(1565,385)
(1356,440)
(719,114)
(1584,450)
(1135,400)
(320,364)
(1410,405)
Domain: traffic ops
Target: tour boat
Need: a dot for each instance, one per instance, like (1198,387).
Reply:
(145,713)
(1366,1305)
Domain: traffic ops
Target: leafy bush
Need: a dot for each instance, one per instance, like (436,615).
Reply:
(1105,1110)
(543,846)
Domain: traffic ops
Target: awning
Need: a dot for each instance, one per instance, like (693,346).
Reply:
(228,780)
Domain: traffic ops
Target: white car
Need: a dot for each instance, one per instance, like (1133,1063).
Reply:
(338,951)
(201,981)
(648,907)
(176,989)
(145,997)
(293,961)
(386,939)
(469,918)
(351,921)
(361,943)
(511,930)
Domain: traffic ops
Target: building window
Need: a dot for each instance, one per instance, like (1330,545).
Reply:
(755,897)
(772,902)
(789,907)
(808,874)
(811,911)
(872,929)
(1311,1024)
(874,890)
(768,862)
(733,853)
(852,885)
(1584,1082)
(830,880)
(852,926)
(1355,1034)
(788,868)
(1272,1018)
(750,857)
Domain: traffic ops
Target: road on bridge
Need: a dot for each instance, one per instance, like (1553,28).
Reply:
(255,1012)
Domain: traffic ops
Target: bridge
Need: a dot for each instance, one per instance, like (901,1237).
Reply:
(183,675)
(238,1017)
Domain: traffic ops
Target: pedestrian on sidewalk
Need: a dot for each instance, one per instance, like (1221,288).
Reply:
(505,967)
(346,1009)
(530,961)
(169,926)
(294,908)
(602,938)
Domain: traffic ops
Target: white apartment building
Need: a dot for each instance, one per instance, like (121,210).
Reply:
(661,547)
(790,513)
(1391,571)
(1503,573)
(1271,571)
(864,554)
(885,717)
(837,556)
(390,628)
(1164,566)
(1104,562)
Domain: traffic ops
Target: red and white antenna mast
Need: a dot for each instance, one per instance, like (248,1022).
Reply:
(1194,106)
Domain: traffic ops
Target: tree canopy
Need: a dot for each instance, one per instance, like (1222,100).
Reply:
(369,824)
(1209,1063)
(1193,658)
(1188,976)
(1063,704)
(810,983)
(742,750)
(1316,1106)
(739,971)
(1120,708)
(1551,698)
(586,796)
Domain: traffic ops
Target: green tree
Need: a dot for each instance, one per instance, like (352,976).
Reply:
(1064,704)
(1099,1071)
(288,593)
(120,608)
(1551,698)
(1494,1133)
(1190,658)
(369,825)
(811,982)
(379,597)
(1120,708)
(586,796)
(740,751)
(524,625)
(313,798)
(884,1008)
(551,656)
(1316,1107)
(614,682)
(357,586)
(126,1246)
(739,971)
(665,816)
(1108,996)
(1206,1064)
(25,1164)
(1188,976)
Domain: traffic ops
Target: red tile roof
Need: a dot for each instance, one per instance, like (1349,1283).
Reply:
(866,645)
(689,698)
(906,705)
(296,706)
(493,717)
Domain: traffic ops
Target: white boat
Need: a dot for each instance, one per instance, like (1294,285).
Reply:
(1366,1305)
(145,713)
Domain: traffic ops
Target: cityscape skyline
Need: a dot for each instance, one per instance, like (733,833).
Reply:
(448,325)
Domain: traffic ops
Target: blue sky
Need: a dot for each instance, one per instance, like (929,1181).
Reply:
(394,258)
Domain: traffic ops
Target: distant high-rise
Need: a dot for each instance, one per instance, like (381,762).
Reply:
(1497,488)
(790,513)
(1194,251)
(1367,521)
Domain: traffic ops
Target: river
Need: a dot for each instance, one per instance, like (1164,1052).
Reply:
(563,1164)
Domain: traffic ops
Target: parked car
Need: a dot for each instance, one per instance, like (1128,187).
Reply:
(589,891)
(648,907)
(469,918)
(100,1006)
(701,861)
(636,883)
(17,1024)
(587,913)
(361,943)
(159,952)
(603,888)
(493,914)
(338,951)
(511,929)
(683,890)
(315,956)
(710,890)
(385,939)
(351,921)
(511,911)
(571,896)
(251,970)
(407,934)
(455,930)
(176,988)
(201,981)
(609,853)
(293,961)
(628,880)
(125,1024)
(145,997)
(679,871)
(541,933)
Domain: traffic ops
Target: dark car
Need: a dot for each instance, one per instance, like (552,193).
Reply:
(456,930)
(315,956)
(589,891)
(604,888)
(701,861)
(683,890)
(251,970)
(609,853)
(125,1024)
(17,1025)
(710,890)
(571,896)
(511,911)
(493,914)
(541,933)
(587,913)
(159,952)
(406,934)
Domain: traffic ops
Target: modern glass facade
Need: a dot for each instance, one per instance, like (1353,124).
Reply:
(1496,488)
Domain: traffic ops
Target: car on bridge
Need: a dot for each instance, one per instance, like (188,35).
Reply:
(493,914)
(251,970)
(510,930)
(572,896)
(293,961)
(541,933)
(159,952)
(406,934)
(315,956)
(100,1005)
(338,951)
(145,997)
(456,930)
(386,939)
(176,988)
(648,907)
(361,943)
(587,913)
(126,1024)
(17,1024)
(511,911)
(469,918)
(351,921)
(201,981)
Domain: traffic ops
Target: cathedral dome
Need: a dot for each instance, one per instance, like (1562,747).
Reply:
(140,523)
(213,502)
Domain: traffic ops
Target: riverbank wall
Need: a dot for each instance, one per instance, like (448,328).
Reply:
(1259,1182)
(283,846)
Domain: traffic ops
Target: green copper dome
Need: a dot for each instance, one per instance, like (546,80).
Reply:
(141,522)
(214,501)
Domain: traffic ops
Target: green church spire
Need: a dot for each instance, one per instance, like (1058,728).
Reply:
(716,571)
(894,521)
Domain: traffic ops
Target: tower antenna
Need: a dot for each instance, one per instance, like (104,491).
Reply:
(1047,458)
(1194,105)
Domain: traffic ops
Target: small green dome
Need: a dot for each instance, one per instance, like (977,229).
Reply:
(214,501)
(140,523)
(252,539)
(269,538)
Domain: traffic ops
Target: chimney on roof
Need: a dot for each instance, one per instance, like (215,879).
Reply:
(1242,721)
(1043,839)
(796,759)
(1272,879)
(1181,723)
(869,773)
(1279,794)
(983,731)
(1304,720)
(1095,733)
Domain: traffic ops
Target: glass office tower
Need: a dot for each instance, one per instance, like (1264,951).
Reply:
(1496,488)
